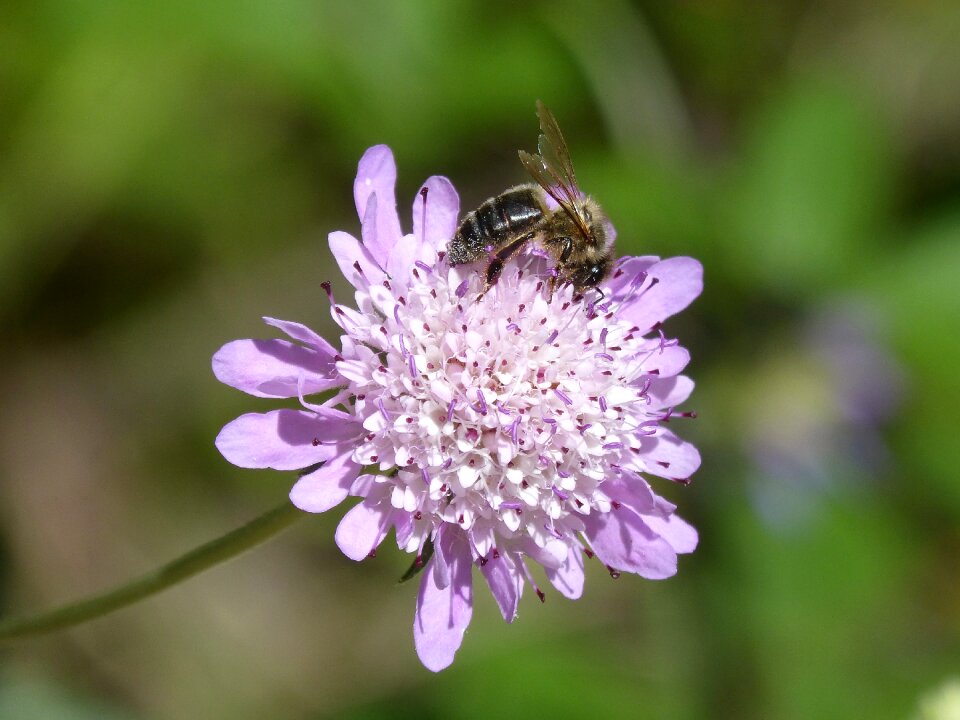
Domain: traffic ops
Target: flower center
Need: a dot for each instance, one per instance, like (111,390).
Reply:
(503,415)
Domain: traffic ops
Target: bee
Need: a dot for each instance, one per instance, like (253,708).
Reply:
(574,231)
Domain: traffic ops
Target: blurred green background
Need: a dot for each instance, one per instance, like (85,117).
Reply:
(168,174)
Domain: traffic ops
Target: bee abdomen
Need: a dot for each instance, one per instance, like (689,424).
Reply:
(496,221)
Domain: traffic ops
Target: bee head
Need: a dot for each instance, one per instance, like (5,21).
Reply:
(590,275)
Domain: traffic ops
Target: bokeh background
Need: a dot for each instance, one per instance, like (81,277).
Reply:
(168,174)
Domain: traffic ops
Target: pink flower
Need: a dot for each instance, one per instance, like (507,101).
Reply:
(484,433)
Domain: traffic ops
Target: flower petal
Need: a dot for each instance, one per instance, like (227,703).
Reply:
(368,234)
(274,368)
(626,272)
(568,578)
(350,253)
(302,333)
(402,257)
(667,456)
(443,614)
(669,391)
(679,281)
(633,491)
(435,213)
(441,565)
(376,177)
(283,439)
(363,528)
(327,487)
(552,555)
(623,541)
(681,535)
(506,583)
(635,494)
(666,361)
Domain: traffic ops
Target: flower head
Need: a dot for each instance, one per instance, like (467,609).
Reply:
(818,431)
(483,432)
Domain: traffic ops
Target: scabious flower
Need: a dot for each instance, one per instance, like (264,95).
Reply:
(817,434)
(484,432)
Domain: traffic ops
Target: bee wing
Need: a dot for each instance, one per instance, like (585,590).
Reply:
(553,149)
(545,177)
(552,168)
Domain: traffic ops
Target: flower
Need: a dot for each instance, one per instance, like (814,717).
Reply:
(485,432)
(813,418)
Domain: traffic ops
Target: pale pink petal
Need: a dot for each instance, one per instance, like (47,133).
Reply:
(378,250)
(363,485)
(679,533)
(441,564)
(274,368)
(328,409)
(669,391)
(349,319)
(611,232)
(666,361)
(506,583)
(679,282)
(437,212)
(356,371)
(568,578)
(302,333)
(363,528)
(623,541)
(283,439)
(663,508)
(633,491)
(402,257)
(376,177)
(404,526)
(627,275)
(552,555)
(327,487)
(635,494)
(665,455)
(443,614)
(350,254)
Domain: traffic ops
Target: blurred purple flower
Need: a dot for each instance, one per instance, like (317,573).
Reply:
(484,433)
(829,401)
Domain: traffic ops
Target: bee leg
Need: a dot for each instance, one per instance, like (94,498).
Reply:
(551,286)
(494,268)
(565,252)
(499,259)
(493,273)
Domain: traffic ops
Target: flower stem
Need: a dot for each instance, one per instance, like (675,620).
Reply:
(195,561)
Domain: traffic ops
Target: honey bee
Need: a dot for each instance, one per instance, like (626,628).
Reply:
(575,233)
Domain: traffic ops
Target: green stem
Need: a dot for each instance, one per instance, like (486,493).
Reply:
(195,561)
